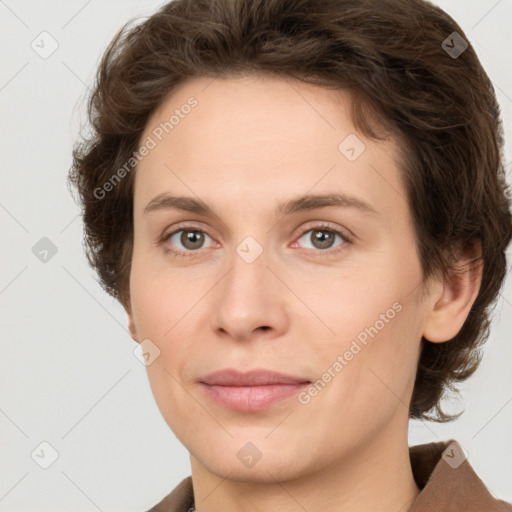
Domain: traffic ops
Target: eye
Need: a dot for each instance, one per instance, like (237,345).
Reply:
(188,240)
(191,240)
(323,237)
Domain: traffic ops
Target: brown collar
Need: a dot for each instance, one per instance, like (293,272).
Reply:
(448,482)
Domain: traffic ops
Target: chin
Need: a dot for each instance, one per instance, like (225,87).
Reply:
(243,460)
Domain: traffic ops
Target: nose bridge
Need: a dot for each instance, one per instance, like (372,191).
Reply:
(250,250)
(248,298)
(249,272)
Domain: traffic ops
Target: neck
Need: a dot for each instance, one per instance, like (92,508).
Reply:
(376,477)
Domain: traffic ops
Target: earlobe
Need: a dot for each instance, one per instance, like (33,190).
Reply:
(459,291)
(131,323)
(132,329)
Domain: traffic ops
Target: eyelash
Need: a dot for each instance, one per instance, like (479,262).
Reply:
(317,227)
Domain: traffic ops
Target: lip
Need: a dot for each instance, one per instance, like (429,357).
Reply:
(256,377)
(250,391)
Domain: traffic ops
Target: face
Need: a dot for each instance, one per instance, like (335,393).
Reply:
(325,291)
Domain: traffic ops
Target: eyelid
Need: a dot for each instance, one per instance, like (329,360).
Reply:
(184,226)
(318,225)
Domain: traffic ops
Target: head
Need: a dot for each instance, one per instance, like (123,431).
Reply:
(242,107)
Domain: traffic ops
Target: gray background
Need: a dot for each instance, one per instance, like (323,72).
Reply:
(68,375)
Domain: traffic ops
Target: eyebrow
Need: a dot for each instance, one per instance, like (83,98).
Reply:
(166,201)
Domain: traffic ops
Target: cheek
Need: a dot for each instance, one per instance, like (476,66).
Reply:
(163,311)
(161,300)
(373,353)
(160,314)
(378,372)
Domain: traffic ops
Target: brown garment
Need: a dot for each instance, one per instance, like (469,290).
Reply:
(447,481)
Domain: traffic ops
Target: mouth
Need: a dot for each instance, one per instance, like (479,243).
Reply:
(251,391)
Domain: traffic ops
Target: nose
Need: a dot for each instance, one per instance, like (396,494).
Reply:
(250,299)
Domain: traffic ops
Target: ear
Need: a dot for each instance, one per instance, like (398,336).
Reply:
(451,307)
(131,322)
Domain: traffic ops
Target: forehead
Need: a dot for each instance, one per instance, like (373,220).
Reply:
(256,136)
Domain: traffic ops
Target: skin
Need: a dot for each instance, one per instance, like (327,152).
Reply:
(259,141)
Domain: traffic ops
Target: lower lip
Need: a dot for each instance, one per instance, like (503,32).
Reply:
(251,398)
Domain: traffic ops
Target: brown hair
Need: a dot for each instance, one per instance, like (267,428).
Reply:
(392,55)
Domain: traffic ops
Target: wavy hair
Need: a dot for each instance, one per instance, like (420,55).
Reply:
(407,72)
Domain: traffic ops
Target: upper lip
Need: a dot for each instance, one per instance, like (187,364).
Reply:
(256,377)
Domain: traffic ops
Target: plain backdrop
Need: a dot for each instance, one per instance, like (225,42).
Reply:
(71,388)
